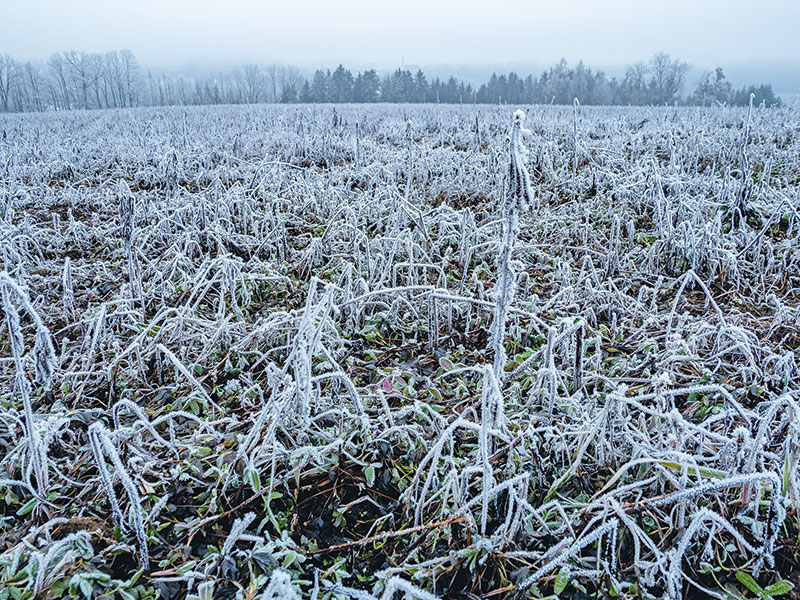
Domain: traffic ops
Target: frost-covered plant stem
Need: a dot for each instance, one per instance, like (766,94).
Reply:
(517,196)
(102,445)
(127,217)
(44,363)
(575,105)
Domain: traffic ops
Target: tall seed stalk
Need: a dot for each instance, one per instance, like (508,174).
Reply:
(517,197)
(127,223)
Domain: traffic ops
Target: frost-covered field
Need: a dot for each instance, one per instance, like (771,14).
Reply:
(279,352)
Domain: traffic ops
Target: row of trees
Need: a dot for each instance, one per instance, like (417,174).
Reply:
(70,80)
(714,87)
(400,86)
(658,82)
(83,80)
(248,84)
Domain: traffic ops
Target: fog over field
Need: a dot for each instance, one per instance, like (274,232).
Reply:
(599,32)
(453,300)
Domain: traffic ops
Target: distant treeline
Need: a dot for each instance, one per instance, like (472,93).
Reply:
(82,80)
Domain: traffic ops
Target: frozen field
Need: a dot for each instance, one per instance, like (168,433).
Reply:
(306,351)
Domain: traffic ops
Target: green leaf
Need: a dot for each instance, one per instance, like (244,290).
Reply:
(183,569)
(747,581)
(86,587)
(27,507)
(561,582)
(206,590)
(696,471)
(251,475)
(779,588)
(786,476)
(369,473)
(290,557)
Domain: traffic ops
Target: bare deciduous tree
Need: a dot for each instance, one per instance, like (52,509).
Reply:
(9,78)
(668,77)
(253,84)
(273,72)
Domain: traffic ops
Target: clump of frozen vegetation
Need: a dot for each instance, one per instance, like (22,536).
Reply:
(282,352)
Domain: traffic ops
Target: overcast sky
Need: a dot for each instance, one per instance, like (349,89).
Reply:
(601,32)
